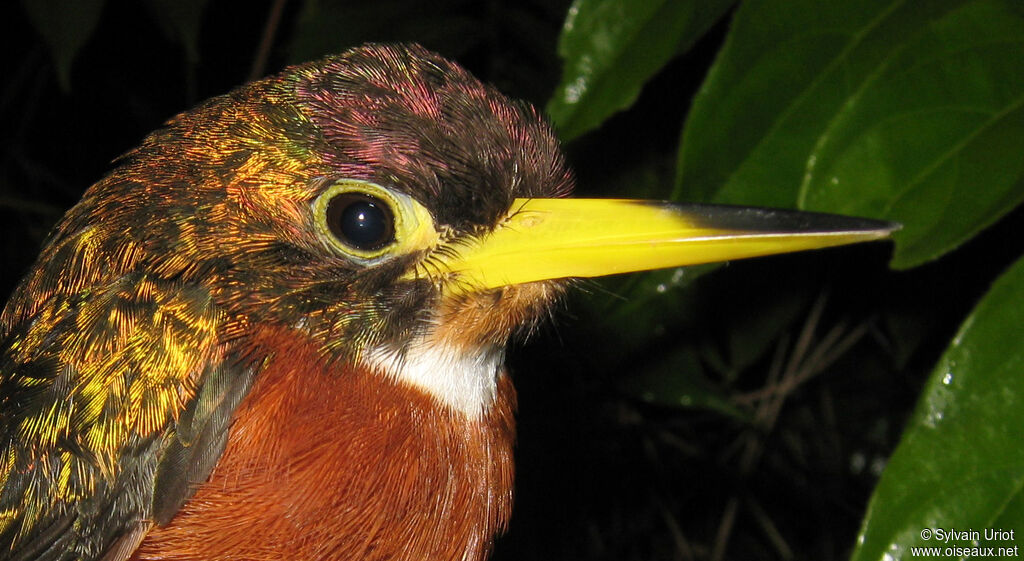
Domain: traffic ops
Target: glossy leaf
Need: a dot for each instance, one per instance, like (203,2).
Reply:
(65,26)
(935,139)
(610,48)
(906,111)
(960,463)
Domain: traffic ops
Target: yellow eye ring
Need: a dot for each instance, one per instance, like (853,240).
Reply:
(368,223)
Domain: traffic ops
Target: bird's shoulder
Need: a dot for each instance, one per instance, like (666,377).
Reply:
(115,392)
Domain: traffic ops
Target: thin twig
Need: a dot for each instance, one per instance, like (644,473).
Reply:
(259,64)
(725,529)
(770,530)
(684,550)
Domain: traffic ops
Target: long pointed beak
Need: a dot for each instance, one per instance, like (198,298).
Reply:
(558,238)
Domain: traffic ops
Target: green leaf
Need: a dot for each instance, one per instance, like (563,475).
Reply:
(960,463)
(935,139)
(910,111)
(786,68)
(65,26)
(611,48)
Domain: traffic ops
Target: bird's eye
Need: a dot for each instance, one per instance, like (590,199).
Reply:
(360,221)
(368,223)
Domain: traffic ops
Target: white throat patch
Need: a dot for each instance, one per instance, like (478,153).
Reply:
(466,381)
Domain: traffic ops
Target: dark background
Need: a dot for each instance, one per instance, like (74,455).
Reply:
(610,464)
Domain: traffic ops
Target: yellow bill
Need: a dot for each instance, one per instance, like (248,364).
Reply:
(559,238)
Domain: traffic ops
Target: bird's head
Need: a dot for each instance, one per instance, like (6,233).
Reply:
(387,205)
(326,199)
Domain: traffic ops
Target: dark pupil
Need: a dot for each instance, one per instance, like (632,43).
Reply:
(360,221)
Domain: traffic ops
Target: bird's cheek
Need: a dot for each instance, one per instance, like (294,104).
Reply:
(490,317)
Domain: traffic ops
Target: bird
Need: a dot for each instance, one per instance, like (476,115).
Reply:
(277,328)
